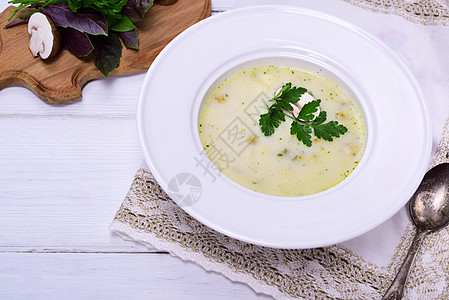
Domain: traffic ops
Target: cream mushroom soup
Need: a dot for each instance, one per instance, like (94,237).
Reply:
(279,164)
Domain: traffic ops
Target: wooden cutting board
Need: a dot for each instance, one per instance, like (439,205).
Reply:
(60,79)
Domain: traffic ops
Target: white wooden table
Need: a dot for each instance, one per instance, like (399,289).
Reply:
(64,171)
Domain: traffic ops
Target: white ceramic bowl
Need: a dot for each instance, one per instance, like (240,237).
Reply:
(397,122)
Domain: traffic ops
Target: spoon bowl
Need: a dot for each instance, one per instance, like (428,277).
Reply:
(429,206)
(429,210)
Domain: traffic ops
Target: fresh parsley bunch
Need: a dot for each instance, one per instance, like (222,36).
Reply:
(93,26)
(303,124)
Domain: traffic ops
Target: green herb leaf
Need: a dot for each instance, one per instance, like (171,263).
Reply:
(107,52)
(293,93)
(302,132)
(303,125)
(328,131)
(285,104)
(123,25)
(307,111)
(271,120)
(321,118)
(74,4)
(104,7)
(284,88)
(288,95)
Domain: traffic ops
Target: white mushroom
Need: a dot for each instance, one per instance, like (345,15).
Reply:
(45,39)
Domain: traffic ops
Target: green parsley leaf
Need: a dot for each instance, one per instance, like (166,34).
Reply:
(271,120)
(308,110)
(288,95)
(302,132)
(321,118)
(303,125)
(328,131)
(284,88)
(285,104)
(293,93)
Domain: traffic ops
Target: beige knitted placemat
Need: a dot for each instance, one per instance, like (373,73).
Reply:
(428,12)
(149,216)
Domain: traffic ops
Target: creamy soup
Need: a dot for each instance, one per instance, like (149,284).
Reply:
(278,164)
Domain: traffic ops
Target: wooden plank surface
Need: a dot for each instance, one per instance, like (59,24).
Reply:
(64,171)
(112,276)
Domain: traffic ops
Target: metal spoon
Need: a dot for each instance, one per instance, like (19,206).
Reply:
(429,209)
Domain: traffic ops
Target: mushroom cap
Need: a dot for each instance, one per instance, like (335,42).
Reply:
(45,38)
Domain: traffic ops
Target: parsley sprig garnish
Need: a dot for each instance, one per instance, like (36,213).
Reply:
(304,124)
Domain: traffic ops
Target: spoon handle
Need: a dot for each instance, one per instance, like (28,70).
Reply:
(396,289)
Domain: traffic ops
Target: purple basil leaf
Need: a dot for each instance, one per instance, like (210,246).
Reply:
(107,52)
(130,38)
(78,43)
(136,9)
(16,22)
(88,22)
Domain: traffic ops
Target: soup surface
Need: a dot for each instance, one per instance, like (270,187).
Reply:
(279,164)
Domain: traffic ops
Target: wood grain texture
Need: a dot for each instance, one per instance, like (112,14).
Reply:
(112,276)
(62,180)
(60,79)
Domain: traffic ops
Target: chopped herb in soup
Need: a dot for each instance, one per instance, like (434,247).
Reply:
(300,106)
(292,158)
